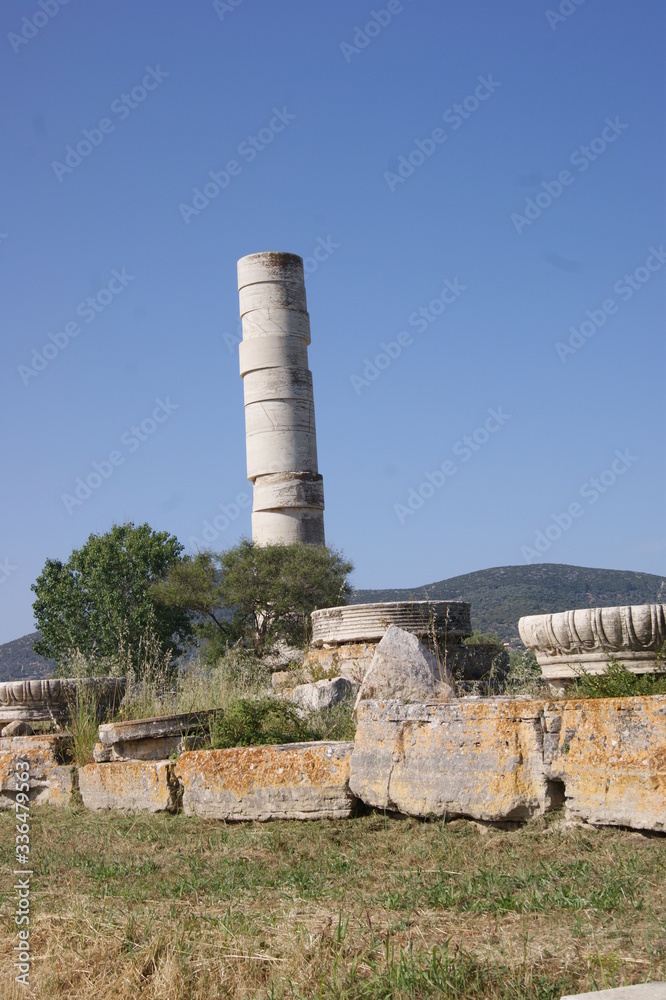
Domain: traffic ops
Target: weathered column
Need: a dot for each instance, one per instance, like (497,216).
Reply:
(279,409)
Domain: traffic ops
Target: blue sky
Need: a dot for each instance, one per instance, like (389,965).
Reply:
(477,189)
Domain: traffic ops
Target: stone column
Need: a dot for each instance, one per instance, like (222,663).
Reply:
(279,409)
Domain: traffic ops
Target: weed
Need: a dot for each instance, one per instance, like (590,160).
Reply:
(616,682)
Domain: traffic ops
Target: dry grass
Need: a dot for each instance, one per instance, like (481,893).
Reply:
(169,907)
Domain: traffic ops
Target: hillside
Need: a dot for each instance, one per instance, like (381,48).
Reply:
(18,660)
(500,596)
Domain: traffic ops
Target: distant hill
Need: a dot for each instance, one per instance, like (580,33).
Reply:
(500,596)
(18,660)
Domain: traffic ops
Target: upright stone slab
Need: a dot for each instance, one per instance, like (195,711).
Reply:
(290,781)
(402,668)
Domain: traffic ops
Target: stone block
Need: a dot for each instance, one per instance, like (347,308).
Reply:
(290,781)
(17,728)
(610,755)
(603,760)
(348,659)
(129,786)
(52,777)
(152,739)
(322,694)
(473,757)
(162,725)
(643,991)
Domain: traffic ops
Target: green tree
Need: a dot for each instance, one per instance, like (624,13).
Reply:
(257,594)
(100,601)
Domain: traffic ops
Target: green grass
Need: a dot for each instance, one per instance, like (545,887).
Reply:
(173,908)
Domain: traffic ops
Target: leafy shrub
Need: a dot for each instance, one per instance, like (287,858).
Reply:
(478,638)
(616,682)
(524,675)
(261,722)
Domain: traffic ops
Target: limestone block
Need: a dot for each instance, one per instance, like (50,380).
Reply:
(403,669)
(291,781)
(151,748)
(602,759)
(473,757)
(323,694)
(52,777)
(610,755)
(643,991)
(588,637)
(348,659)
(129,786)
(182,724)
(477,669)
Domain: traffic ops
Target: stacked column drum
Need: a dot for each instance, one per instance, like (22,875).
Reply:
(280,431)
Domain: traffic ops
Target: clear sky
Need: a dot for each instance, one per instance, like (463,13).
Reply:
(477,189)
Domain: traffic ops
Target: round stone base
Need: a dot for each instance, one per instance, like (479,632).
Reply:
(447,620)
(570,666)
(53,698)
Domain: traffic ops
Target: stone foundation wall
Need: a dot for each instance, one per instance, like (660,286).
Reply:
(494,759)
